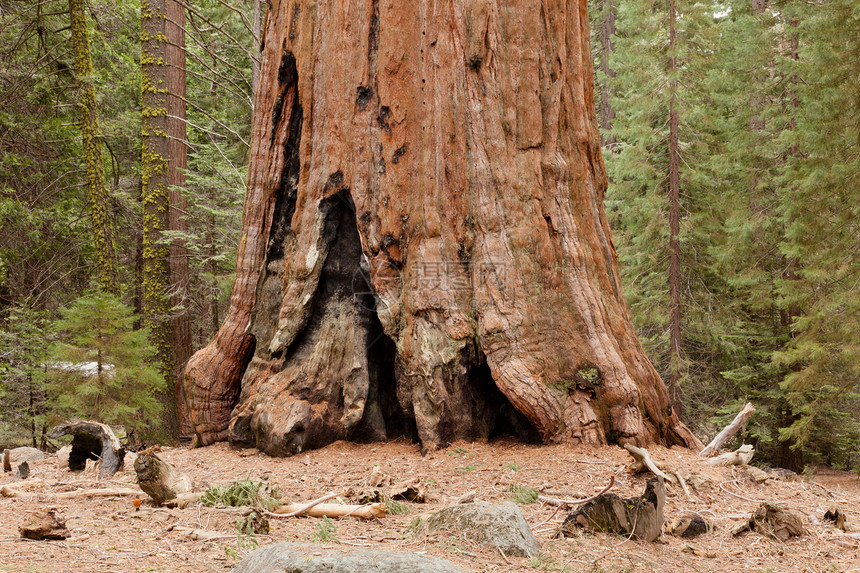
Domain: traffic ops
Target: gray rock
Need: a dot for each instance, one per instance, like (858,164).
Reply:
(25,454)
(310,558)
(497,526)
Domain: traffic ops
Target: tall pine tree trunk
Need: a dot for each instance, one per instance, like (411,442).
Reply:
(99,198)
(154,170)
(174,54)
(675,356)
(606,115)
(424,248)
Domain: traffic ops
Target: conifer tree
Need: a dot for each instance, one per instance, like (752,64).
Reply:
(100,368)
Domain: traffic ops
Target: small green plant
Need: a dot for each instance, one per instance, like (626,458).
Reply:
(396,507)
(326,531)
(467,469)
(511,466)
(247,529)
(522,494)
(242,493)
(546,562)
(458,452)
(230,553)
(415,525)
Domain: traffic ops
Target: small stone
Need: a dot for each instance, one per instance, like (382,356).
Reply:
(757,475)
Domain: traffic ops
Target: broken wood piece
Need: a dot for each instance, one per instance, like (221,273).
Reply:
(837,516)
(740,457)
(773,520)
(643,461)
(23,471)
(688,524)
(7,462)
(45,524)
(729,431)
(369,511)
(159,479)
(92,441)
(682,483)
(641,517)
(569,502)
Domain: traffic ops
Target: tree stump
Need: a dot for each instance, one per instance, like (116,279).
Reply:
(92,441)
(160,480)
(641,517)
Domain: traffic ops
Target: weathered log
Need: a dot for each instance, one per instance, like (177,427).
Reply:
(7,460)
(773,520)
(429,255)
(92,441)
(728,431)
(159,479)
(368,511)
(740,457)
(45,524)
(641,517)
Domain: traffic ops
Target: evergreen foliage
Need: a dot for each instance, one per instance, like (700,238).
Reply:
(99,369)
(769,143)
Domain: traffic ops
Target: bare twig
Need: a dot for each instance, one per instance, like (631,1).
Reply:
(567,502)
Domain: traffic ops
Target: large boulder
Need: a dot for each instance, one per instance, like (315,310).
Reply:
(310,558)
(24,454)
(497,526)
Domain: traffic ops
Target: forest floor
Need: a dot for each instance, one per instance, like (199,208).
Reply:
(109,535)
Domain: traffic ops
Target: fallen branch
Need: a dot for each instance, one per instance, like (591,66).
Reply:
(7,491)
(281,512)
(369,511)
(728,431)
(683,483)
(643,461)
(564,502)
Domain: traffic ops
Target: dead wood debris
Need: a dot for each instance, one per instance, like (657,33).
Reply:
(45,524)
(641,516)
(773,520)
(729,431)
(569,502)
(837,516)
(159,479)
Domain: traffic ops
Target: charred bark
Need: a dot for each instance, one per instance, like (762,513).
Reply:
(424,247)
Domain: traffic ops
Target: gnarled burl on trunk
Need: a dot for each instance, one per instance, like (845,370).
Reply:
(424,248)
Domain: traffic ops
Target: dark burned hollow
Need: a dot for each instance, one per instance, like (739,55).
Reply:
(346,275)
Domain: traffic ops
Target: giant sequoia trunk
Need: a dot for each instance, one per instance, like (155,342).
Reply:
(424,250)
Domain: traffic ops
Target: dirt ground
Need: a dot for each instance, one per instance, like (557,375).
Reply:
(109,535)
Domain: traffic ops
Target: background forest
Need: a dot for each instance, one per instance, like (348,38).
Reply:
(731,135)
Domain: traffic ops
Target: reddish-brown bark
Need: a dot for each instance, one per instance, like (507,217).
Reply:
(449,151)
